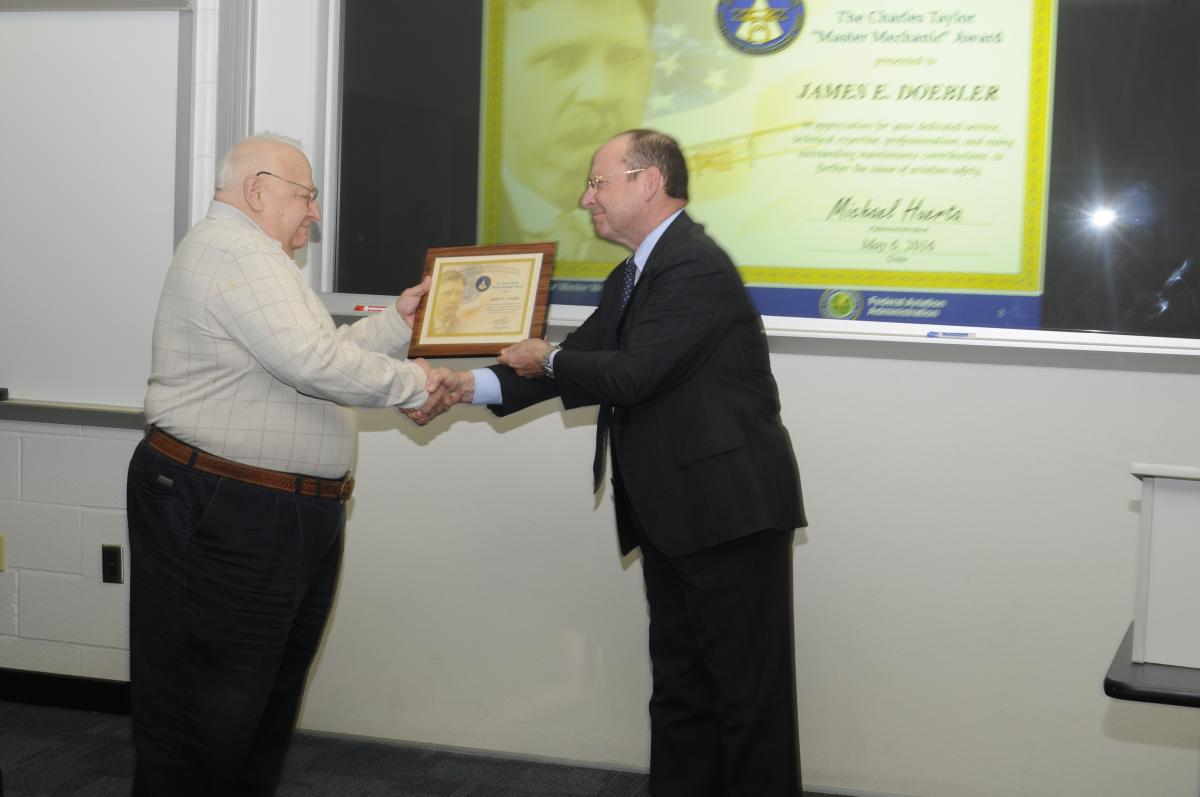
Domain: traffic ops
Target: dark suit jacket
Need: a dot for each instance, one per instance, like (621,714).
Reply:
(702,454)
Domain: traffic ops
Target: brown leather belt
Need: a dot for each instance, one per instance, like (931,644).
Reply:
(309,486)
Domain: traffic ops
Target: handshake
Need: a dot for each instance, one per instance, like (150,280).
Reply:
(447,388)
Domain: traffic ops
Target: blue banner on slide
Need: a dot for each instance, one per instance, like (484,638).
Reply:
(944,309)
(949,309)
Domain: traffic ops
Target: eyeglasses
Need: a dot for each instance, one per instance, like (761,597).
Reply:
(594,181)
(310,194)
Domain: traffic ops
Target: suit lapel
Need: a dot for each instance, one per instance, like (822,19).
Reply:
(612,305)
(682,223)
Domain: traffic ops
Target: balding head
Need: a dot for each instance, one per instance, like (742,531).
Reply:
(268,178)
(638,179)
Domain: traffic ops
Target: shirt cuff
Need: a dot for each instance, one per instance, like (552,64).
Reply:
(487,387)
(400,331)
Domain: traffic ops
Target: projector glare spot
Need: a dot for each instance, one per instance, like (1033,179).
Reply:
(1103,217)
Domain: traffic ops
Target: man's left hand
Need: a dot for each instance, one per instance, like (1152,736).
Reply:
(525,357)
(407,302)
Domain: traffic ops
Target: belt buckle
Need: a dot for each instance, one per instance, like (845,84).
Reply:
(347,489)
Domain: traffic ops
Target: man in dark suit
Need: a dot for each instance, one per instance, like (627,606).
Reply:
(704,478)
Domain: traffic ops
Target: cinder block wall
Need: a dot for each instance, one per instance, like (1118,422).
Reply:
(62,496)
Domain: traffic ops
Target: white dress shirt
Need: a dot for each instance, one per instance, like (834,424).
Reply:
(487,386)
(247,363)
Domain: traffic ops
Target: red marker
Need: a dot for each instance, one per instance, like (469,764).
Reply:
(370,308)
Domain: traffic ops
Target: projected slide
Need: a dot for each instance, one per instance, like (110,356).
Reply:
(859,160)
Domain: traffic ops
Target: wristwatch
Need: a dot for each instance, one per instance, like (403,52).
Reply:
(548,364)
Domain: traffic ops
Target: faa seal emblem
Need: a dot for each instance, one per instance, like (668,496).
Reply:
(840,304)
(759,27)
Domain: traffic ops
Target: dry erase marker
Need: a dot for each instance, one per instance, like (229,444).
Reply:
(934,334)
(370,308)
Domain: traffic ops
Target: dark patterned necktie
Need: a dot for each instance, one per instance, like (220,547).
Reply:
(628,276)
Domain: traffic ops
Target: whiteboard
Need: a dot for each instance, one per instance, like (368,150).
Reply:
(87,217)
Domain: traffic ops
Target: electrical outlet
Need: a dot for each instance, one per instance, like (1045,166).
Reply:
(111,571)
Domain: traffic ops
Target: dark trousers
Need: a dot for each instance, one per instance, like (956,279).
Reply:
(230,588)
(723,708)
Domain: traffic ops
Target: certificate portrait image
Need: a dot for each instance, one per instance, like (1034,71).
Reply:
(482,298)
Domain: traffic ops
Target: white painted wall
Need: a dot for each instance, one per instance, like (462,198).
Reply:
(967,577)
(62,496)
(86,213)
(965,582)
(290,73)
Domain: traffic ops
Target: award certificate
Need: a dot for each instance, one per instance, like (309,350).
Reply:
(482,298)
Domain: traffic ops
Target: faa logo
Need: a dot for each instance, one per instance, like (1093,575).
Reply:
(759,27)
(845,305)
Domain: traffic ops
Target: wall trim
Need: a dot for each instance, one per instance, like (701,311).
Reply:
(102,415)
(64,691)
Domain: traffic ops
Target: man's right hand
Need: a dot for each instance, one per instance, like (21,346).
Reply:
(446,388)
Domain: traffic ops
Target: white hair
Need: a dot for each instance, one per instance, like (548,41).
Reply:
(232,165)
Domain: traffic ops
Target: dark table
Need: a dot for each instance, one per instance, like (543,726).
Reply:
(1150,683)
